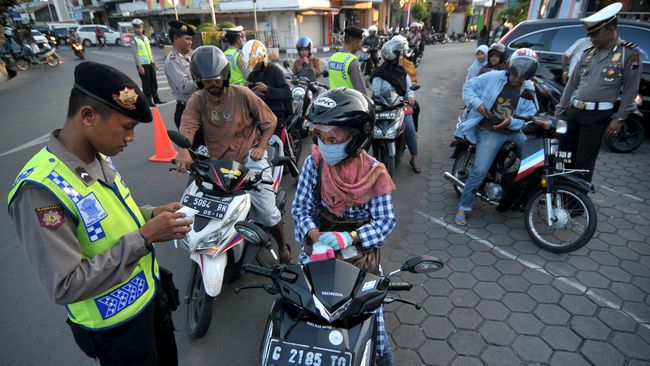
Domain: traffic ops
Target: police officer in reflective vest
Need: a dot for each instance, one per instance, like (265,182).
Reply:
(235,38)
(610,69)
(343,67)
(145,63)
(91,246)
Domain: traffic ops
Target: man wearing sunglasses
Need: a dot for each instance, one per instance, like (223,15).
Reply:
(610,68)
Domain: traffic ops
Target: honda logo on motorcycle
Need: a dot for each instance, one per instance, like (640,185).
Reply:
(325,102)
(329,293)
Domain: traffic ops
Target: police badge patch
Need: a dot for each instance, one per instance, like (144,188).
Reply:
(91,210)
(51,217)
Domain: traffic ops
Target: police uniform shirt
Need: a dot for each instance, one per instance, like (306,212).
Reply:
(51,243)
(177,69)
(603,73)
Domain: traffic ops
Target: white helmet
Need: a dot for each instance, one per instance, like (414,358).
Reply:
(137,21)
(393,48)
(372,28)
(253,53)
(415,25)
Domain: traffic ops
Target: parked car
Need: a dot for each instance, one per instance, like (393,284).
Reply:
(62,34)
(87,35)
(551,37)
(40,39)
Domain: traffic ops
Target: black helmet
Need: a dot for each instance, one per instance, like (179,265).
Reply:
(346,108)
(209,63)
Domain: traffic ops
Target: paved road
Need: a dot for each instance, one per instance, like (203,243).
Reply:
(499,301)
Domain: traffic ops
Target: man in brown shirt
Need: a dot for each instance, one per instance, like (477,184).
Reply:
(237,125)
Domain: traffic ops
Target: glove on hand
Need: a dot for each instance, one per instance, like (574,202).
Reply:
(321,252)
(335,239)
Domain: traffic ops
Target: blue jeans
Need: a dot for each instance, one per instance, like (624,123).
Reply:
(488,144)
(410,135)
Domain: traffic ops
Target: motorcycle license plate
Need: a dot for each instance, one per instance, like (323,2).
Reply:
(563,157)
(208,207)
(289,354)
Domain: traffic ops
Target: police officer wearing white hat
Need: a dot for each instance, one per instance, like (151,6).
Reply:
(144,61)
(611,67)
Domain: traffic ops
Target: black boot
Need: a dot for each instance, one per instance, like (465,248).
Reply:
(284,249)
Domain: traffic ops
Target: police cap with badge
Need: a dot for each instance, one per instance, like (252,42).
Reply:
(600,19)
(179,29)
(112,88)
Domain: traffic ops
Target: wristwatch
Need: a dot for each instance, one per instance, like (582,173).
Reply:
(355,236)
(147,244)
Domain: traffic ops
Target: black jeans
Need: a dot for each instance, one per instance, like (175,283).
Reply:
(584,136)
(143,341)
(178,114)
(149,83)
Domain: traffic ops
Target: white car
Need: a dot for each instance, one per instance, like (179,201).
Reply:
(87,35)
(39,38)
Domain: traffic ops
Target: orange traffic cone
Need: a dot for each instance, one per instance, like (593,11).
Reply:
(165,151)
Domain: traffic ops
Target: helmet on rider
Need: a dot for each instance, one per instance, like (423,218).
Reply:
(497,49)
(372,30)
(209,63)
(392,49)
(523,62)
(304,43)
(415,26)
(253,53)
(344,108)
(137,22)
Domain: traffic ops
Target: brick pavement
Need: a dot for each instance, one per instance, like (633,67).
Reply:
(501,300)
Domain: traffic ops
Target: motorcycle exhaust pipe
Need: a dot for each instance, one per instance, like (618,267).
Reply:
(458,182)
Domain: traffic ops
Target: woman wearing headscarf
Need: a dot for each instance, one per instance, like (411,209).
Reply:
(481,59)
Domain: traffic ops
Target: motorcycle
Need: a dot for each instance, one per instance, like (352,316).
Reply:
(79,50)
(559,215)
(629,138)
(47,55)
(365,60)
(388,141)
(215,200)
(324,312)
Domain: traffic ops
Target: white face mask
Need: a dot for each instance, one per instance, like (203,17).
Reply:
(333,153)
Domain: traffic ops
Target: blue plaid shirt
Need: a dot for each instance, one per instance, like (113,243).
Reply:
(371,235)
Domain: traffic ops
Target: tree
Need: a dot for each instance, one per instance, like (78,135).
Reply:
(517,14)
(6,4)
(420,11)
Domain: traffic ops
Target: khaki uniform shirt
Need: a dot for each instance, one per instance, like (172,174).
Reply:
(55,253)
(231,123)
(177,69)
(602,74)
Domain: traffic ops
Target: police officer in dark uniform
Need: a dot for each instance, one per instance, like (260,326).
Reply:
(177,69)
(610,68)
(91,246)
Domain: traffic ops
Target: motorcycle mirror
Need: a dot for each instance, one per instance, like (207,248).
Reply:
(252,233)
(285,63)
(326,73)
(389,300)
(179,139)
(422,264)
(561,127)
(414,87)
(281,160)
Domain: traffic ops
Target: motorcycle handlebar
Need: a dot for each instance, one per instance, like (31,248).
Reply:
(399,286)
(525,118)
(260,271)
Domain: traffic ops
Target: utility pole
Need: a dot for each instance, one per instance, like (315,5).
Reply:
(255,16)
(214,17)
(50,10)
(491,14)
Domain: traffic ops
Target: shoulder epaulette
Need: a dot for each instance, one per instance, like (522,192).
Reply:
(630,45)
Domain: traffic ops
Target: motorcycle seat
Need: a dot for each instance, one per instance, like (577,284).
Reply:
(272,151)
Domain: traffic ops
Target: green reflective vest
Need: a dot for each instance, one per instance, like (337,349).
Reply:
(144,50)
(103,215)
(237,76)
(338,67)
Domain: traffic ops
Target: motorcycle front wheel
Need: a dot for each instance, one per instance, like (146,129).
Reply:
(52,61)
(199,306)
(629,138)
(575,224)
(22,64)
(462,166)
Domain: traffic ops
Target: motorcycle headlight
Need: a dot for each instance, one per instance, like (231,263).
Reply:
(214,241)
(561,127)
(377,132)
(391,132)
(298,93)
(331,317)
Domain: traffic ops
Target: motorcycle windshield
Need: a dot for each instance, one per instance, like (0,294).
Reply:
(333,282)
(388,98)
(229,176)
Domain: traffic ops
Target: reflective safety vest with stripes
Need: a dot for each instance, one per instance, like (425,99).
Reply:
(144,50)
(237,76)
(103,214)
(338,67)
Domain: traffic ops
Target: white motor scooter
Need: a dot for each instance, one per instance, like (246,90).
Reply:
(215,200)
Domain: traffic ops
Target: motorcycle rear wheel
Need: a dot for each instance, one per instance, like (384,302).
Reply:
(581,225)
(462,166)
(199,307)
(629,138)
(22,64)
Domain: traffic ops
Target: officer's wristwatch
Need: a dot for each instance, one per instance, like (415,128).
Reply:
(355,236)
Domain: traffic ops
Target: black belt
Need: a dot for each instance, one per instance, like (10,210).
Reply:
(181,102)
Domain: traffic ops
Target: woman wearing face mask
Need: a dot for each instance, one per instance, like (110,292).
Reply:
(343,206)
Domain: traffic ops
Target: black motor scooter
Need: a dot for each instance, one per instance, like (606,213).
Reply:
(324,313)
(559,215)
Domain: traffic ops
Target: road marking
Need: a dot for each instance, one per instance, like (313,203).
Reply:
(627,195)
(37,141)
(120,56)
(450,48)
(164,88)
(166,103)
(568,281)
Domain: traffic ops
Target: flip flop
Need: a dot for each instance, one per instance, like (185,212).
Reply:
(461,220)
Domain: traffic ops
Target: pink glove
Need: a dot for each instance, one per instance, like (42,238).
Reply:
(336,240)
(321,252)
